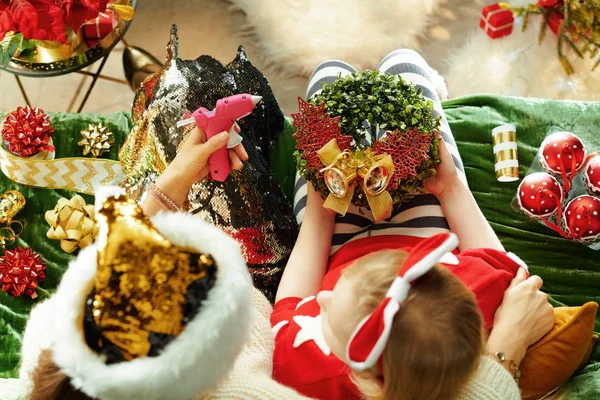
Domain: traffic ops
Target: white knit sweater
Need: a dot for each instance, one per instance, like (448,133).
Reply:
(251,375)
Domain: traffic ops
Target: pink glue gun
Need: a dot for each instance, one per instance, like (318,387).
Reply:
(222,118)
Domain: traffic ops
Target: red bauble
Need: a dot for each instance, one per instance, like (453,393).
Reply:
(540,195)
(581,219)
(559,150)
(21,270)
(27,131)
(591,175)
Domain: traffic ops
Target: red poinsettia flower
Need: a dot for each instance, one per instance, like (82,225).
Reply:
(7,22)
(80,11)
(46,19)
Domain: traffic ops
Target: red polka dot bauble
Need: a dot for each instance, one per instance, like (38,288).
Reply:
(21,270)
(581,219)
(27,131)
(591,176)
(539,195)
(562,152)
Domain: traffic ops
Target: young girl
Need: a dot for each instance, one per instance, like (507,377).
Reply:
(388,310)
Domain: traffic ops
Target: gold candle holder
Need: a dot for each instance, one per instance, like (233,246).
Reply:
(506,156)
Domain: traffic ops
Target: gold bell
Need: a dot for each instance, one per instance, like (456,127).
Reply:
(376,180)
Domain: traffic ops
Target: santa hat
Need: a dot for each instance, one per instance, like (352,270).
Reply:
(154,309)
(370,337)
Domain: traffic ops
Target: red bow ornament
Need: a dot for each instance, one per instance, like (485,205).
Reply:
(370,337)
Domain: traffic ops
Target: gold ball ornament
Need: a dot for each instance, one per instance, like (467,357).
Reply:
(11,202)
(73,223)
(96,140)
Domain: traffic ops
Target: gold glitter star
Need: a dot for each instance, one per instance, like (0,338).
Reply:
(96,140)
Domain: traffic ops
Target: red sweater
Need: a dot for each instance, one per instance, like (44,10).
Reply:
(302,359)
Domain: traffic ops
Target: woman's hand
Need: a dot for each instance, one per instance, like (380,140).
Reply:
(190,166)
(522,319)
(446,176)
(191,163)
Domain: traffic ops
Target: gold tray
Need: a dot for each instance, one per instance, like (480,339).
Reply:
(48,61)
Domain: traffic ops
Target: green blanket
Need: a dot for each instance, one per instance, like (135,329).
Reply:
(14,311)
(571,276)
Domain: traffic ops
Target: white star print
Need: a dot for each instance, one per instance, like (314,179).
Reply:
(449,259)
(278,327)
(304,301)
(311,330)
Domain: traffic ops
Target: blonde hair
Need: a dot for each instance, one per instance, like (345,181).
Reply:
(437,335)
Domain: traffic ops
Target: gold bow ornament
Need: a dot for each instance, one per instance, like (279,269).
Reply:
(72,222)
(343,168)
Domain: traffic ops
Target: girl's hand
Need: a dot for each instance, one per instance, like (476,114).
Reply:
(191,163)
(522,319)
(446,176)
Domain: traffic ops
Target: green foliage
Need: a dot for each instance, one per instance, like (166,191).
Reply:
(384,100)
(580,29)
(381,99)
(13,43)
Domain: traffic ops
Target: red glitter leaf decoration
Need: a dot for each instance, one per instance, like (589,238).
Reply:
(21,270)
(408,151)
(27,131)
(314,129)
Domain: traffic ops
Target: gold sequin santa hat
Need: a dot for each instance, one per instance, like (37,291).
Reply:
(155,309)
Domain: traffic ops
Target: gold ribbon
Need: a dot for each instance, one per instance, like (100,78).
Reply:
(352,165)
(76,173)
(72,222)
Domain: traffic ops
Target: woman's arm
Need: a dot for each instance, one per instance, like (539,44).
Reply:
(522,319)
(460,208)
(190,166)
(307,265)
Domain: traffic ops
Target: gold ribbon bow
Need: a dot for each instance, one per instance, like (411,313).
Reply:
(72,222)
(343,168)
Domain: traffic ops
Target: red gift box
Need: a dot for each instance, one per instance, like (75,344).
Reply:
(100,27)
(496,21)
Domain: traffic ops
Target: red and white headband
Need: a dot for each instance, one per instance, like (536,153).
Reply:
(368,340)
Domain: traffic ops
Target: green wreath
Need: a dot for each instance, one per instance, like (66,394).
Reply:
(384,100)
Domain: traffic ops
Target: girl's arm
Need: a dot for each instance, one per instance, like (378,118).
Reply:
(460,208)
(307,265)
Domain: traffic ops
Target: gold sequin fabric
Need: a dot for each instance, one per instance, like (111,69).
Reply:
(146,288)
(250,204)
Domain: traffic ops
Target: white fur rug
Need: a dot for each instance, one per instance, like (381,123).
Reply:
(517,66)
(297,35)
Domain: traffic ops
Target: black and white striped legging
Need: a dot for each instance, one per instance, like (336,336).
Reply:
(421,216)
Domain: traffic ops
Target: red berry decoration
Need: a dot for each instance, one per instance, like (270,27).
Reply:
(563,154)
(591,175)
(21,270)
(27,131)
(581,219)
(540,195)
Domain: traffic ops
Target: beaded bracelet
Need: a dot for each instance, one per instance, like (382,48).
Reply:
(163,198)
